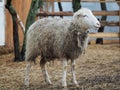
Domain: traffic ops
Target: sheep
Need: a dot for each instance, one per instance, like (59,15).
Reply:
(65,40)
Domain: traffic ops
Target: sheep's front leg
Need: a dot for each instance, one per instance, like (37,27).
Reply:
(28,67)
(73,72)
(64,84)
(45,73)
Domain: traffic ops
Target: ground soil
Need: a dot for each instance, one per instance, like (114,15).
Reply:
(97,69)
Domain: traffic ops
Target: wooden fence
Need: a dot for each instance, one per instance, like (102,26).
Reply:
(22,8)
(96,13)
(82,0)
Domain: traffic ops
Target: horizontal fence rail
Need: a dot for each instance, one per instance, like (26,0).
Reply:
(82,1)
(110,23)
(69,13)
(97,13)
(106,41)
(104,35)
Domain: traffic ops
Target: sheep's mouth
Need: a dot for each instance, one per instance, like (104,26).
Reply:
(96,27)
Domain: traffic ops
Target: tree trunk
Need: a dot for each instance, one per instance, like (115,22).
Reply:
(101,29)
(15,30)
(60,8)
(76,5)
(35,4)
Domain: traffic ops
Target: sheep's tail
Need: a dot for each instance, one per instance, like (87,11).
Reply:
(29,55)
(31,47)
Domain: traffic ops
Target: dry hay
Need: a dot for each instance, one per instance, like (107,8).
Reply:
(4,50)
(98,69)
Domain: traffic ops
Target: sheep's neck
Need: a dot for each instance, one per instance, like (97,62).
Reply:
(75,27)
(78,35)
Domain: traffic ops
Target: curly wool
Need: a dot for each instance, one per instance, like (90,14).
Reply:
(52,40)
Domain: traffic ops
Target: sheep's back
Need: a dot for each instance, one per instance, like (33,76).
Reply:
(47,36)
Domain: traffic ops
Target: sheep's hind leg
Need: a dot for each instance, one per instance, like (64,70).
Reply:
(64,84)
(28,67)
(44,71)
(73,73)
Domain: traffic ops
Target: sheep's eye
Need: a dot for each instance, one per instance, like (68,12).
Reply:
(85,16)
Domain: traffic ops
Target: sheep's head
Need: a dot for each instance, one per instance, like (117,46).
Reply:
(85,19)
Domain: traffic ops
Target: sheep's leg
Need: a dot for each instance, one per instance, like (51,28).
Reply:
(45,74)
(64,62)
(44,71)
(28,67)
(73,72)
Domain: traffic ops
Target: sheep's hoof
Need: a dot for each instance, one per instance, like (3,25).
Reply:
(26,83)
(77,85)
(49,84)
(64,87)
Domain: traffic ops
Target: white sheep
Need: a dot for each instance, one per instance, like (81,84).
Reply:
(53,38)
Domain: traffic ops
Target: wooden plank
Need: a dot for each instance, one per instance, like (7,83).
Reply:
(92,42)
(69,13)
(55,14)
(106,13)
(104,35)
(84,0)
(110,23)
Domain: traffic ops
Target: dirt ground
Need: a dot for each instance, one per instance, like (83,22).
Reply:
(97,69)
